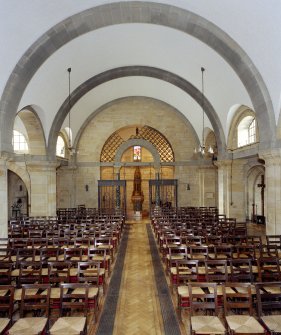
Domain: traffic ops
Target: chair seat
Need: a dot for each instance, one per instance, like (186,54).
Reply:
(93,291)
(84,258)
(228,290)
(243,290)
(44,272)
(3,323)
(28,326)
(30,291)
(175,257)
(244,324)
(73,272)
(55,292)
(273,289)
(184,293)
(207,325)
(273,322)
(15,273)
(3,292)
(68,325)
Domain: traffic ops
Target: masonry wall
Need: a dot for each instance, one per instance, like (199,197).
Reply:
(137,112)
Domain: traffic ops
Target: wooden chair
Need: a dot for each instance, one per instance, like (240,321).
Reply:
(34,310)
(204,309)
(97,254)
(223,251)
(174,254)
(186,271)
(6,273)
(273,240)
(246,251)
(269,269)
(73,297)
(89,272)
(268,250)
(30,273)
(74,255)
(6,307)
(199,252)
(238,310)
(269,306)
(241,270)
(105,243)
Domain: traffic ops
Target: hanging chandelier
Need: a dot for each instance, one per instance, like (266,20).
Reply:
(70,148)
(202,147)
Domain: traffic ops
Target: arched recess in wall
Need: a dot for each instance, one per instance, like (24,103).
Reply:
(34,131)
(140,100)
(19,188)
(110,150)
(132,12)
(254,188)
(242,117)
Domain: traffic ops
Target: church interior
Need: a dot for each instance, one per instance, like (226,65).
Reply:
(132,134)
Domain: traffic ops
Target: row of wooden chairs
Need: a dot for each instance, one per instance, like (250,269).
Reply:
(238,270)
(36,304)
(53,272)
(235,312)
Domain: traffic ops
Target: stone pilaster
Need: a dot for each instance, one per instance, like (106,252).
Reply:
(272,191)
(43,188)
(3,198)
(231,188)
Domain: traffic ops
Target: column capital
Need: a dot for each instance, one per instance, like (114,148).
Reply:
(271,156)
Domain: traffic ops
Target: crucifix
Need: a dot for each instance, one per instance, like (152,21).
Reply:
(262,186)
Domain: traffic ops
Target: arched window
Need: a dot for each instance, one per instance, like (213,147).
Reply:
(246,131)
(60,149)
(19,142)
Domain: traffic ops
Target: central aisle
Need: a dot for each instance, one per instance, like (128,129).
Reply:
(138,309)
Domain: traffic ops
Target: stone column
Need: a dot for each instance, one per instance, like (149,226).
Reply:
(43,188)
(272,191)
(223,186)
(3,198)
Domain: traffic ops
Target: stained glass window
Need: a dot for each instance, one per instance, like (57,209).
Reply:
(137,153)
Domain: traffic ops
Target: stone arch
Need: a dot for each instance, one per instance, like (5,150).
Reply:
(32,123)
(137,71)
(135,12)
(143,143)
(21,172)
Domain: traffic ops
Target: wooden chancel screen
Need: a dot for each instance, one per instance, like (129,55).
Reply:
(112,195)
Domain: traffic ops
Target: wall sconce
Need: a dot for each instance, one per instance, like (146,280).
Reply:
(20,188)
(87,188)
(188,187)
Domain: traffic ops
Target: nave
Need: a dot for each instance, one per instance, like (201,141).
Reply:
(144,302)
(139,304)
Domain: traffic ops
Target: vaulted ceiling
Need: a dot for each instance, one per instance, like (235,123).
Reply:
(153,49)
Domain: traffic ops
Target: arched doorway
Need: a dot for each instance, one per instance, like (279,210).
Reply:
(17,196)
(255,194)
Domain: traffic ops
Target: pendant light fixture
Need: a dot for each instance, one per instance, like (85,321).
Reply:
(202,147)
(70,148)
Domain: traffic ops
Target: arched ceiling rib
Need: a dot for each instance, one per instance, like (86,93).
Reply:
(138,12)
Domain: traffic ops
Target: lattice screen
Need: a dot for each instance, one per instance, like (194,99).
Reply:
(110,147)
(147,133)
